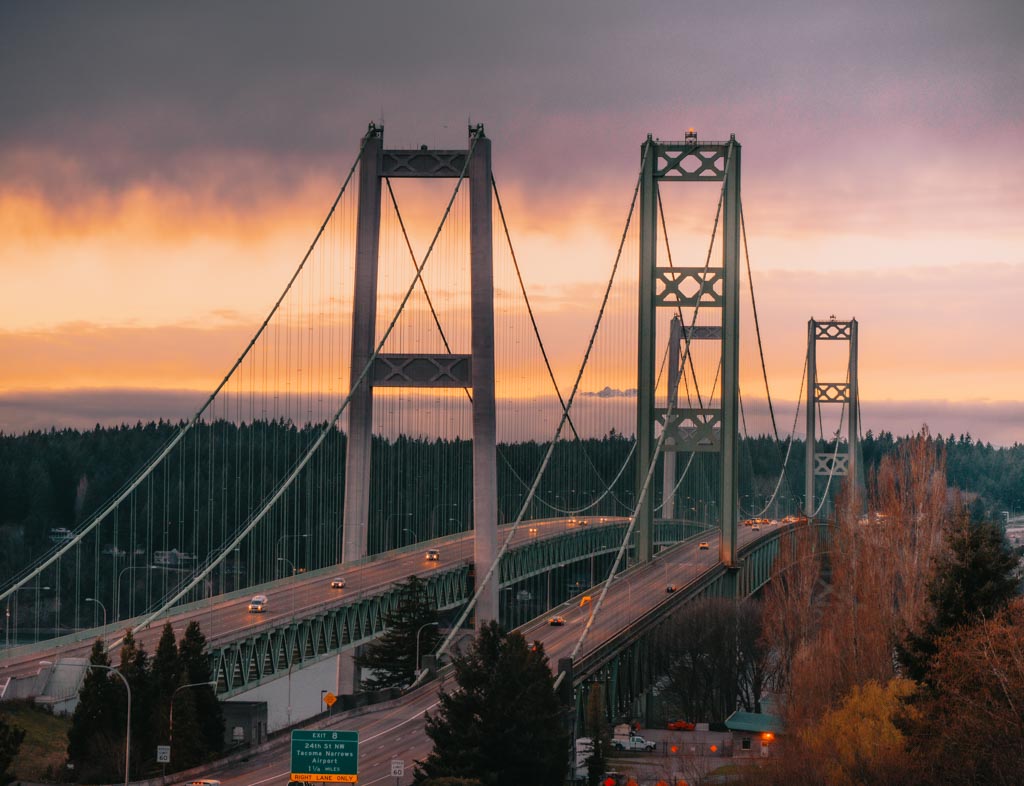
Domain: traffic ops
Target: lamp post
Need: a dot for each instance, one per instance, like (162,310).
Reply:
(406,529)
(387,528)
(170,712)
(418,632)
(128,723)
(292,590)
(94,600)
(117,585)
(290,563)
(437,507)
(286,537)
(38,590)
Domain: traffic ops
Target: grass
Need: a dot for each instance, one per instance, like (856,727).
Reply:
(44,749)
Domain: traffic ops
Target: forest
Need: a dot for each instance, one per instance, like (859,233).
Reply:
(55,480)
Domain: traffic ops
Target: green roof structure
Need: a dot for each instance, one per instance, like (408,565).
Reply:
(755,722)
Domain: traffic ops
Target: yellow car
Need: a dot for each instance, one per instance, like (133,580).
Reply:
(704,545)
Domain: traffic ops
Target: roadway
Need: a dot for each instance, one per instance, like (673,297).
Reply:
(226,618)
(396,730)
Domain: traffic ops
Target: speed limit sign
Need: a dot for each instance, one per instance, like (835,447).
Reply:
(397,768)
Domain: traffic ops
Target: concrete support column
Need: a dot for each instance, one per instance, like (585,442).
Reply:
(812,377)
(853,435)
(485,471)
(646,349)
(364,323)
(730,357)
(668,481)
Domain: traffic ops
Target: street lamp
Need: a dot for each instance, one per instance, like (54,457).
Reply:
(424,625)
(286,537)
(38,590)
(292,591)
(290,563)
(434,510)
(406,529)
(170,713)
(128,723)
(94,600)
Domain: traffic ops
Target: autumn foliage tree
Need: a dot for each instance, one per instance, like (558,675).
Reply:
(968,728)
(878,567)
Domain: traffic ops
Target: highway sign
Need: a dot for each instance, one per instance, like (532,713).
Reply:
(397,768)
(325,756)
(163,754)
(329,699)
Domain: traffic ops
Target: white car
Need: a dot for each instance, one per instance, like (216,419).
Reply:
(338,583)
(258,604)
(433,555)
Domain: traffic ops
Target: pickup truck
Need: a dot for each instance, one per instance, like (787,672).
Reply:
(633,743)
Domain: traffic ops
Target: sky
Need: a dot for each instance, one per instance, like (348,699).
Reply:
(163,167)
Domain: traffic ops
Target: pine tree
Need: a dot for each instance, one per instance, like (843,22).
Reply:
(975,580)
(135,667)
(392,657)
(209,719)
(96,736)
(504,724)
(166,679)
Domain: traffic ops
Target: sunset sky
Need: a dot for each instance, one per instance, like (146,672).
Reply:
(163,167)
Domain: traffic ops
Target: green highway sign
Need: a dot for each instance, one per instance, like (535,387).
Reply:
(325,756)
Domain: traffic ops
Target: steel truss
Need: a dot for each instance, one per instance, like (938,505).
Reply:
(708,429)
(842,461)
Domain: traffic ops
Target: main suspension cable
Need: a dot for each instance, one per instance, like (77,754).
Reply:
(163,452)
(328,427)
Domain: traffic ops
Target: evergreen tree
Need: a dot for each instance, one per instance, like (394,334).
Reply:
(503,725)
(10,741)
(135,667)
(392,657)
(96,736)
(208,717)
(976,579)
(166,679)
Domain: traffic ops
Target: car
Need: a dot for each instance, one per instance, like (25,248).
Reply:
(433,555)
(202,782)
(258,604)
(680,725)
(755,527)
(670,588)
(556,621)
(338,583)
(704,545)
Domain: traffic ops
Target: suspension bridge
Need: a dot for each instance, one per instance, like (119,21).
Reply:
(401,396)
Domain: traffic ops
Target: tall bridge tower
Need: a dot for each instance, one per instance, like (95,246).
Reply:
(689,429)
(475,370)
(843,461)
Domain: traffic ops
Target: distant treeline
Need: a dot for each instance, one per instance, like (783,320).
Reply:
(420,488)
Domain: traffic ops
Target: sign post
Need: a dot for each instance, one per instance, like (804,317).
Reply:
(163,754)
(325,756)
(397,769)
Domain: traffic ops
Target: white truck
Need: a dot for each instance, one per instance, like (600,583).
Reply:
(626,740)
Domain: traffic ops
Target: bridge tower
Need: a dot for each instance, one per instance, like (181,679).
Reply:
(475,370)
(706,428)
(842,462)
